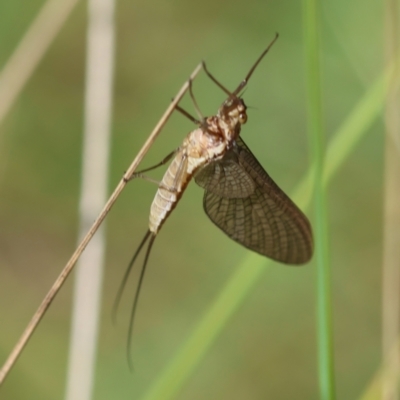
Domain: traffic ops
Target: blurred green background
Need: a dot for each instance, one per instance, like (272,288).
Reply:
(268,349)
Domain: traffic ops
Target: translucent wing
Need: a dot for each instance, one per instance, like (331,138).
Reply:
(266,221)
(226,178)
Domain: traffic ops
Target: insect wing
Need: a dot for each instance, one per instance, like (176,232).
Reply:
(266,221)
(226,178)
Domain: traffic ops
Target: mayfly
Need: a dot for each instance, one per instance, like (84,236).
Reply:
(240,197)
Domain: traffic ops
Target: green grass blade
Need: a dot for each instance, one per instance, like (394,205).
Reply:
(182,366)
(321,237)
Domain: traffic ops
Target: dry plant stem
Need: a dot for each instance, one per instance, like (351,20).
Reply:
(100,51)
(12,358)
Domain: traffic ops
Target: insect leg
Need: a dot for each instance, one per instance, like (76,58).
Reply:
(162,162)
(158,183)
(139,174)
(202,123)
(187,115)
(245,80)
(215,80)
(196,106)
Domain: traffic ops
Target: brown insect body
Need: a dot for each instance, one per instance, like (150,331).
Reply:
(206,144)
(240,197)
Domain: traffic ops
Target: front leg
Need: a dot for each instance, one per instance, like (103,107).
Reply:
(140,173)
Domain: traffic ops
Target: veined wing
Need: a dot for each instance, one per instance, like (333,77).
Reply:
(266,221)
(226,178)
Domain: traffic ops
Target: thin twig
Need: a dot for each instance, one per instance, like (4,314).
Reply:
(69,266)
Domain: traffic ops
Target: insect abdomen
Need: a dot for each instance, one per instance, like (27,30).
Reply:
(168,194)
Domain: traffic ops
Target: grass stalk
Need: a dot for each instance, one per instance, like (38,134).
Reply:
(391,214)
(94,183)
(316,137)
(248,271)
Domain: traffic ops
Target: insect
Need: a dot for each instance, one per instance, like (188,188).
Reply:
(240,197)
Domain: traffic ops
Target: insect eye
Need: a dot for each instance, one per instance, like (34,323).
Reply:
(242,118)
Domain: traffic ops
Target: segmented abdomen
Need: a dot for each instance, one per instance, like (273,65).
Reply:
(170,191)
